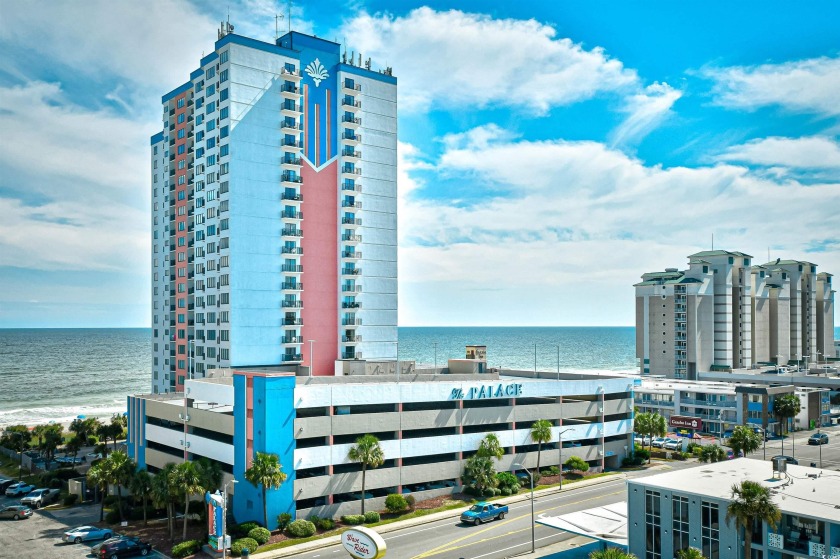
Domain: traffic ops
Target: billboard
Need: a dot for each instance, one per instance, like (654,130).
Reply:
(215,526)
(685,422)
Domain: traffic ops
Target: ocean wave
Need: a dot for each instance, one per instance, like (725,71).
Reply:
(57,414)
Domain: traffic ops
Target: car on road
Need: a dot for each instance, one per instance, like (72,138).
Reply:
(5,483)
(788,459)
(86,533)
(18,489)
(483,512)
(658,442)
(95,548)
(15,512)
(40,498)
(818,438)
(125,548)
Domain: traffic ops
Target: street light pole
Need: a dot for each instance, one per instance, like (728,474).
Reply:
(820,445)
(560,443)
(311,364)
(533,521)
(224,518)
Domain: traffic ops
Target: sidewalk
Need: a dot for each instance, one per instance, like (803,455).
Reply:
(454,513)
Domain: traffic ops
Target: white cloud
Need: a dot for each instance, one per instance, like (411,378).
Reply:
(457,59)
(646,110)
(814,152)
(811,85)
(575,224)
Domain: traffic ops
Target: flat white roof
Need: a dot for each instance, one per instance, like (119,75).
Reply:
(607,523)
(803,491)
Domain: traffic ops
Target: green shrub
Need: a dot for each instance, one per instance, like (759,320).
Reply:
(642,453)
(515,488)
(283,520)
(241,530)
(395,503)
(371,517)
(260,535)
(92,440)
(112,516)
(70,499)
(110,500)
(137,513)
(352,519)
(505,491)
(56,484)
(301,529)
(578,464)
(410,501)
(183,549)
(239,545)
(325,524)
(505,479)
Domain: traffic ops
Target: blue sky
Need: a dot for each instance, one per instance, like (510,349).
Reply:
(550,152)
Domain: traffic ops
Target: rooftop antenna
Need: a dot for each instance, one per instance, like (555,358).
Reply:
(290,16)
(713,241)
(277,18)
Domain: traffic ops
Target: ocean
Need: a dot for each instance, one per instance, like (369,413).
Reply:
(58,374)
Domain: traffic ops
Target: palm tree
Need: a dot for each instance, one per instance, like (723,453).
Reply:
(265,472)
(744,439)
(140,485)
(479,473)
(164,490)
(210,472)
(188,480)
(98,477)
(658,426)
(369,454)
(712,453)
(74,445)
(490,447)
(611,553)
(751,502)
(540,433)
(785,407)
(118,469)
(690,553)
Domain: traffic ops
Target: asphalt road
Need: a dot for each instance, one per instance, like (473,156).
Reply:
(798,447)
(449,539)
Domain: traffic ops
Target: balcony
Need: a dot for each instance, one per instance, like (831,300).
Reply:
(349,88)
(351,105)
(291,127)
(291,232)
(351,339)
(351,305)
(351,121)
(351,139)
(351,271)
(292,322)
(292,304)
(291,179)
(297,340)
(291,216)
(351,204)
(351,171)
(291,144)
(291,197)
(292,357)
(348,186)
(292,163)
(291,75)
(289,91)
(351,288)
(291,286)
(292,250)
(351,221)
(352,155)
(707,403)
(291,268)
(290,109)
(351,321)
(350,355)
(351,255)
(679,308)
(351,238)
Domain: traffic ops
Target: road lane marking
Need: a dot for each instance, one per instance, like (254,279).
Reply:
(451,547)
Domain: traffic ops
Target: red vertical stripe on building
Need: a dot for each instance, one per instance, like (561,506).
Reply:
(328,111)
(315,137)
(305,119)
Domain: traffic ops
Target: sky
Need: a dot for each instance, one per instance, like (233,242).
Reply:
(549,152)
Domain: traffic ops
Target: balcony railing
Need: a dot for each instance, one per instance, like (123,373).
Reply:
(288,177)
(351,321)
(351,221)
(351,137)
(297,286)
(291,232)
(292,197)
(713,404)
(352,255)
(289,88)
(351,271)
(351,288)
(345,355)
(291,74)
(289,142)
(289,358)
(292,215)
(347,119)
(351,86)
(291,250)
(290,161)
(292,304)
(347,103)
(292,268)
(351,204)
(291,340)
(348,238)
(351,339)
(347,170)
(292,322)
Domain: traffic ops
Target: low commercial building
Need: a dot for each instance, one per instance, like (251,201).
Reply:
(428,424)
(687,508)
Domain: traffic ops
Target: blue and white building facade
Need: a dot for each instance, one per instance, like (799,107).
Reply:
(274,211)
(428,425)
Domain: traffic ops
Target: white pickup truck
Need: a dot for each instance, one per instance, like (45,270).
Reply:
(40,498)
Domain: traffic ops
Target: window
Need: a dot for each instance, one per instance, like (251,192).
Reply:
(223,132)
(224,335)
(224,225)
(224,150)
(680,523)
(224,316)
(210,73)
(182,179)
(223,75)
(211,143)
(182,164)
(199,153)
(181,103)
(211,125)
(224,353)
(210,107)
(223,95)
(182,133)
(199,102)
(653,534)
(224,279)
(199,119)
(181,118)
(182,149)
(223,57)
(710,529)
(211,160)
(224,261)
(224,242)
(223,170)
(224,298)
(211,90)
(224,112)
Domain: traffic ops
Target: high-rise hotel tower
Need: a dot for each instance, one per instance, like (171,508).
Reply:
(274,211)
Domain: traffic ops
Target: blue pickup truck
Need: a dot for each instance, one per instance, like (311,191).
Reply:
(483,512)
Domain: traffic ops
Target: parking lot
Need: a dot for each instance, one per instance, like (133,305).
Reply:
(40,535)
(806,454)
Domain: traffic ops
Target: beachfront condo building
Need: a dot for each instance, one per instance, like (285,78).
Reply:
(274,220)
(725,313)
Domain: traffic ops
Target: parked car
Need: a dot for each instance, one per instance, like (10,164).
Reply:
(93,456)
(95,548)
(125,548)
(818,438)
(658,442)
(86,533)
(15,512)
(18,489)
(788,459)
(40,498)
(644,440)
(672,444)
(483,512)
(5,483)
